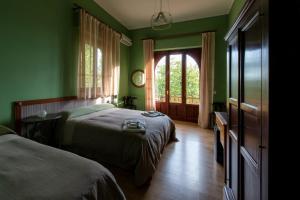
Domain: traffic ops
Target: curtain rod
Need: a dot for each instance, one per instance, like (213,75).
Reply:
(77,7)
(177,35)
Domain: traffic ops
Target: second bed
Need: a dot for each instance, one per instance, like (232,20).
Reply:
(96,132)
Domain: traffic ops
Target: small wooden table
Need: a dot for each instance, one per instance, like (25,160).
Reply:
(38,124)
(221,122)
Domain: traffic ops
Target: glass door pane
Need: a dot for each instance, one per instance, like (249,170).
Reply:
(176,78)
(160,80)
(192,81)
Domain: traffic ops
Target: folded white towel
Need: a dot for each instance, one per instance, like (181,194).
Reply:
(152,114)
(134,125)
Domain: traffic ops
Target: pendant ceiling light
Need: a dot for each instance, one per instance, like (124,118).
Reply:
(161,20)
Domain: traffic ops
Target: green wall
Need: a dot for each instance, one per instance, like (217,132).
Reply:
(235,11)
(191,41)
(124,62)
(37,51)
(218,24)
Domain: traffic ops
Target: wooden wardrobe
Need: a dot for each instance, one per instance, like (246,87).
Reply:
(246,174)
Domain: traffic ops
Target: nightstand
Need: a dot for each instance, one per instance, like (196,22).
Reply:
(220,130)
(41,129)
(129,102)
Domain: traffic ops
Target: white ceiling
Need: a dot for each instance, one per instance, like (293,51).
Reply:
(137,13)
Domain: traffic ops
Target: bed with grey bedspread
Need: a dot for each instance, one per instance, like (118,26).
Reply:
(29,170)
(98,135)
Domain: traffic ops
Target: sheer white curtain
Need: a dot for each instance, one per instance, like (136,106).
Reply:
(110,45)
(206,78)
(98,59)
(149,74)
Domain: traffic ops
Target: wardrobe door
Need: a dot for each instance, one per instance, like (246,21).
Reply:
(250,109)
(233,96)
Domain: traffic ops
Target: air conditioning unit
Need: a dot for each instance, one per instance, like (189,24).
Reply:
(125,40)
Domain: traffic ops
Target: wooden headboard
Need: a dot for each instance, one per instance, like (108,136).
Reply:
(27,108)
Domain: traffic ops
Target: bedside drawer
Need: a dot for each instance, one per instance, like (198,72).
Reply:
(221,127)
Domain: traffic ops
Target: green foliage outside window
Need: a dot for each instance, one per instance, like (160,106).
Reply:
(192,80)
(160,80)
(89,66)
(175,78)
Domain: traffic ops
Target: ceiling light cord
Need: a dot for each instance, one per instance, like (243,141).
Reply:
(169,6)
(160,5)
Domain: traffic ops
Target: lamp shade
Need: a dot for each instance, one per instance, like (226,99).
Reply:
(161,20)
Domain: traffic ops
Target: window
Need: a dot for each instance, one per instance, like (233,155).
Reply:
(192,81)
(177,75)
(170,72)
(176,78)
(160,80)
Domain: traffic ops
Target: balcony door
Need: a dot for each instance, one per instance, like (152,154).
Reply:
(177,75)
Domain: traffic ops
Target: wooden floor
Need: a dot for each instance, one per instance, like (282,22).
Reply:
(187,170)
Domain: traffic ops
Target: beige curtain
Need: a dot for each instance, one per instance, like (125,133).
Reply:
(206,78)
(110,45)
(98,60)
(149,74)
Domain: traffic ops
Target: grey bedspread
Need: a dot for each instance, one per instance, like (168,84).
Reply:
(29,170)
(99,136)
